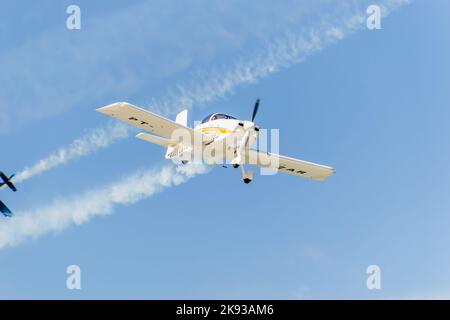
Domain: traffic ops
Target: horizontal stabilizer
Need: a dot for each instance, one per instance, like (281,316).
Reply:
(155,139)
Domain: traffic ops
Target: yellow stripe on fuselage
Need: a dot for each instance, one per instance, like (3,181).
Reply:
(215,130)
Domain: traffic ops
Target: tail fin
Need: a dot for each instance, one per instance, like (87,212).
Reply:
(182,118)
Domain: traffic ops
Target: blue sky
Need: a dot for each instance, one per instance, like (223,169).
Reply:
(374,105)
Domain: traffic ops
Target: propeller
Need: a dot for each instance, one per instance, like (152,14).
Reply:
(255,110)
(246,137)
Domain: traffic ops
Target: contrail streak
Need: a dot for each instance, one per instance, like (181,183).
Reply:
(285,52)
(66,212)
(97,139)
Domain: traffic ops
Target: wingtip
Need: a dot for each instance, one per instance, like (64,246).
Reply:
(107,109)
(102,109)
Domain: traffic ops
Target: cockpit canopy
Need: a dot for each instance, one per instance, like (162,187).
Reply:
(216,116)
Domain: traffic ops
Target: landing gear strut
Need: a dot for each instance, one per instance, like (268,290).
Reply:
(247,176)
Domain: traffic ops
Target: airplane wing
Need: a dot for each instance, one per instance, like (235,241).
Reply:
(4,209)
(7,182)
(149,121)
(289,165)
(3,186)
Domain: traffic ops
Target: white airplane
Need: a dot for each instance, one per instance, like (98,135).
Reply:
(219,139)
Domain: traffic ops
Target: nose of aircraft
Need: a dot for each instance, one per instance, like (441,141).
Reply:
(248,124)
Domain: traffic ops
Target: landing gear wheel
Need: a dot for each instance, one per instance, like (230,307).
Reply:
(247,176)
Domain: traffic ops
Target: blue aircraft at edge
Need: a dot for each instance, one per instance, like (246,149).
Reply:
(6,182)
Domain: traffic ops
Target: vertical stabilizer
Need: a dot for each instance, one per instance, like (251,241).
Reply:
(172,151)
(182,117)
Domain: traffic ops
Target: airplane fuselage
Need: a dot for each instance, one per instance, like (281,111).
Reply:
(227,137)
(226,128)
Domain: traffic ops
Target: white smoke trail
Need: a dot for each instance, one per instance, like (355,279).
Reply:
(283,53)
(64,213)
(97,139)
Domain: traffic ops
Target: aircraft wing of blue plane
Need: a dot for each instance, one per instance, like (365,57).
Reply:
(4,209)
(6,182)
